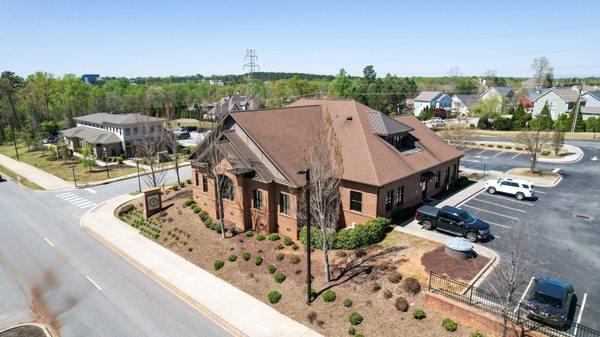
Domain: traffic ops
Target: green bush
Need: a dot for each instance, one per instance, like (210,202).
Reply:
(246,256)
(232,258)
(203,215)
(287,241)
(258,260)
(518,148)
(273,237)
(351,331)
(449,324)
(249,234)
(394,277)
(419,314)
(347,303)
(477,334)
(271,268)
(260,236)
(196,209)
(411,285)
(355,318)
(274,296)
(188,181)
(401,304)
(361,235)
(219,264)
(189,202)
(545,153)
(279,277)
(329,296)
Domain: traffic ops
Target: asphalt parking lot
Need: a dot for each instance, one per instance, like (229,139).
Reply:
(564,220)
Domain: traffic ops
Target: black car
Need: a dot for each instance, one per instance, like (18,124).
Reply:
(453,220)
(189,128)
(184,135)
(549,301)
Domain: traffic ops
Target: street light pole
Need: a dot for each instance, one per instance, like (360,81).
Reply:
(137,165)
(74,179)
(308,247)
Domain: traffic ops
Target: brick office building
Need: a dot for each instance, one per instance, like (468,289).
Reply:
(389,164)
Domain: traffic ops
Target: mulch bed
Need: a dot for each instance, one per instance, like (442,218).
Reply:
(439,262)
(361,275)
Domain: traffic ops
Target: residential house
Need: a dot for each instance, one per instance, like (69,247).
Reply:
(528,97)
(236,102)
(502,92)
(389,164)
(559,100)
(592,104)
(90,78)
(431,99)
(111,134)
(461,104)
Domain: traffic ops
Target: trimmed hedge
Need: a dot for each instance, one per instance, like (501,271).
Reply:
(361,235)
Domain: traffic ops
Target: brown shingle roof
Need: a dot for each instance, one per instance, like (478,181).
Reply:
(284,134)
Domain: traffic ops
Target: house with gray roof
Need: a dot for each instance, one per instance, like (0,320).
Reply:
(461,104)
(559,100)
(431,99)
(502,92)
(111,134)
(592,104)
(236,102)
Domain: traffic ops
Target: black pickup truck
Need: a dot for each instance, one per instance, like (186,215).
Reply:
(453,220)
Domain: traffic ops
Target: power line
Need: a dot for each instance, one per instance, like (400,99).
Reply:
(252,61)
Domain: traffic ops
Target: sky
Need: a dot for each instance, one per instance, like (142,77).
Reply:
(406,38)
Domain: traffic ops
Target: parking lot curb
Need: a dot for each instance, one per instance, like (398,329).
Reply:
(47,331)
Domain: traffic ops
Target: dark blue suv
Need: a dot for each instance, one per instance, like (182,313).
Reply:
(550,301)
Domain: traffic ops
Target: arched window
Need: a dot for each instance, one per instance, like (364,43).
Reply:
(226,187)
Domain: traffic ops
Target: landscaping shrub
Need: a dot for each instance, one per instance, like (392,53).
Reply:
(313,293)
(279,277)
(258,260)
(394,277)
(312,316)
(449,324)
(295,259)
(371,232)
(329,296)
(203,215)
(188,181)
(271,268)
(545,153)
(351,331)
(246,256)
(419,314)
(411,285)
(518,148)
(248,234)
(347,303)
(499,146)
(189,202)
(355,318)
(260,236)
(273,237)
(287,241)
(274,296)
(387,294)
(196,209)
(376,287)
(295,247)
(219,264)
(508,147)
(232,258)
(181,184)
(477,334)
(280,257)
(401,304)
(279,247)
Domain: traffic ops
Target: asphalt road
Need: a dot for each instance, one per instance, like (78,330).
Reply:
(51,269)
(563,220)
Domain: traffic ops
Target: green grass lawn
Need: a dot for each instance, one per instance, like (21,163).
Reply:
(192,122)
(61,169)
(6,172)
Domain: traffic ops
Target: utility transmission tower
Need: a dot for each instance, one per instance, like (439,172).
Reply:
(251,61)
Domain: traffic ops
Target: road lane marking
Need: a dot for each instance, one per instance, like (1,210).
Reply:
(499,153)
(523,296)
(94,283)
(49,242)
(80,202)
(483,210)
(481,152)
(66,196)
(516,155)
(63,194)
(84,203)
(491,203)
(86,206)
(71,197)
(509,199)
(536,191)
(91,190)
(72,201)
(497,224)
(580,313)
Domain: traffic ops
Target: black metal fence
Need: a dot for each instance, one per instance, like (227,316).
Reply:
(489,302)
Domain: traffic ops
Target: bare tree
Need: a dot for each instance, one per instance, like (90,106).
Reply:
(171,141)
(148,147)
(534,142)
(457,134)
(324,160)
(513,272)
(543,73)
(557,140)
(212,158)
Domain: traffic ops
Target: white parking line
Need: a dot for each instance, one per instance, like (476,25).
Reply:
(480,152)
(491,203)
(94,283)
(483,210)
(580,313)
(497,224)
(509,199)
(523,296)
(91,190)
(499,153)
(516,155)
(49,242)
(536,191)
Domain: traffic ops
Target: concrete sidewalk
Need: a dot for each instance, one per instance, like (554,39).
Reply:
(238,312)
(44,179)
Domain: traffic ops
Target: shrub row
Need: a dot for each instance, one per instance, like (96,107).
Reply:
(361,235)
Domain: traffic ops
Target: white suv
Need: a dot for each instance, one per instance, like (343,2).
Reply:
(521,189)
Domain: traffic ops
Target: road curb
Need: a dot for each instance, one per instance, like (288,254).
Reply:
(197,306)
(125,177)
(44,328)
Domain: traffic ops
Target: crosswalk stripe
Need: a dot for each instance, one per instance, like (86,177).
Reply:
(92,204)
(66,196)
(80,202)
(84,203)
(60,195)
(71,197)
(75,200)
(91,190)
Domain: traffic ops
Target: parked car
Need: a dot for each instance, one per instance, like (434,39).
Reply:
(437,121)
(189,128)
(184,135)
(518,188)
(549,301)
(50,139)
(453,220)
